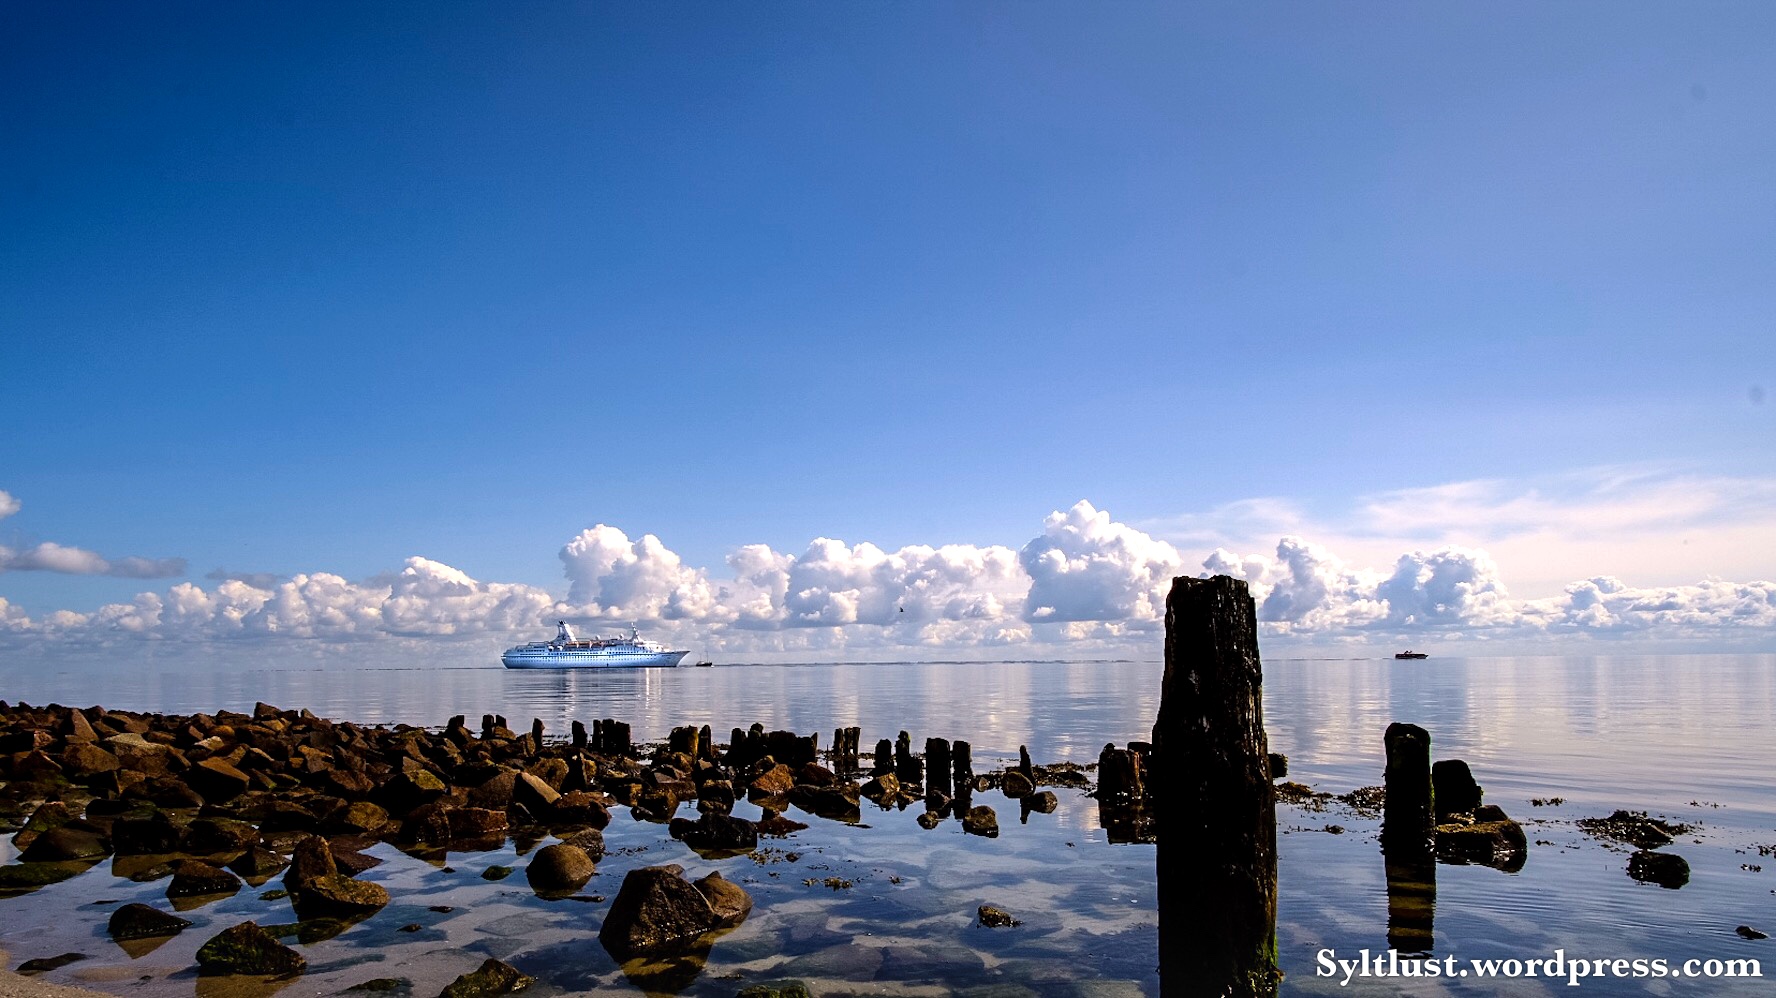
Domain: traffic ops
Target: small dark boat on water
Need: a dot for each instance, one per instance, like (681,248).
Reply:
(1411,654)
(703,665)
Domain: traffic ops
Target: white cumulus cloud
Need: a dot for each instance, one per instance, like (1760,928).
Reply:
(1086,566)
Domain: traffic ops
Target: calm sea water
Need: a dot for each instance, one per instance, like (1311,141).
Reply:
(1686,737)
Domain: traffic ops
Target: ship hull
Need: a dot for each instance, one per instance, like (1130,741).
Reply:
(577,659)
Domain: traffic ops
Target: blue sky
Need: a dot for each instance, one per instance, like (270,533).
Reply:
(323,288)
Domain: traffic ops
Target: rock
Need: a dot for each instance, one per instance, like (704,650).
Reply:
(216,780)
(1279,765)
(996,918)
(838,801)
(67,842)
(1016,785)
(882,787)
(139,921)
(728,900)
(248,949)
(929,820)
(217,835)
(1499,843)
(580,807)
(656,910)
(588,840)
(258,861)
(312,861)
(44,964)
(52,814)
(412,787)
(1668,870)
(30,876)
(1633,827)
(495,793)
(338,894)
(1750,933)
(149,834)
(365,818)
(536,796)
(81,761)
(775,989)
(1454,789)
(381,985)
(1044,802)
(715,796)
(815,775)
(192,878)
(714,832)
(559,869)
(980,820)
(496,873)
(491,978)
(773,782)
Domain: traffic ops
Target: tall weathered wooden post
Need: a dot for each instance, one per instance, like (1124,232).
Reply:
(1215,807)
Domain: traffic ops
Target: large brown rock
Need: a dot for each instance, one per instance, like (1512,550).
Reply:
(192,878)
(81,761)
(216,780)
(728,900)
(773,782)
(656,911)
(311,861)
(67,842)
(534,794)
(579,807)
(559,869)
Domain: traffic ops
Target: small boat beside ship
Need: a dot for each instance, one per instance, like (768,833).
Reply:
(630,651)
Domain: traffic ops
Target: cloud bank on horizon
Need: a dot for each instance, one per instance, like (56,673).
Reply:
(1086,580)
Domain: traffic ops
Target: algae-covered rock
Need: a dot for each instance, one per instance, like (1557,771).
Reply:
(775,989)
(996,918)
(139,921)
(655,910)
(491,978)
(248,949)
(337,893)
(192,878)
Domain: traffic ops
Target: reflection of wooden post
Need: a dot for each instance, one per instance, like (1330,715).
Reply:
(1412,900)
(1216,810)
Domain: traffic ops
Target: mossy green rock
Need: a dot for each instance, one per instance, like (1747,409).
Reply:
(30,876)
(248,949)
(491,978)
(341,894)
(776,989)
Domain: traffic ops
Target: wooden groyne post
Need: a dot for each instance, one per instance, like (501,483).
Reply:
(1216,813)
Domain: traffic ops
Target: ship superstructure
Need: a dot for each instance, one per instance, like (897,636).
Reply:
(630,651)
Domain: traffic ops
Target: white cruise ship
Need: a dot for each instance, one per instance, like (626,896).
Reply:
(569,652)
